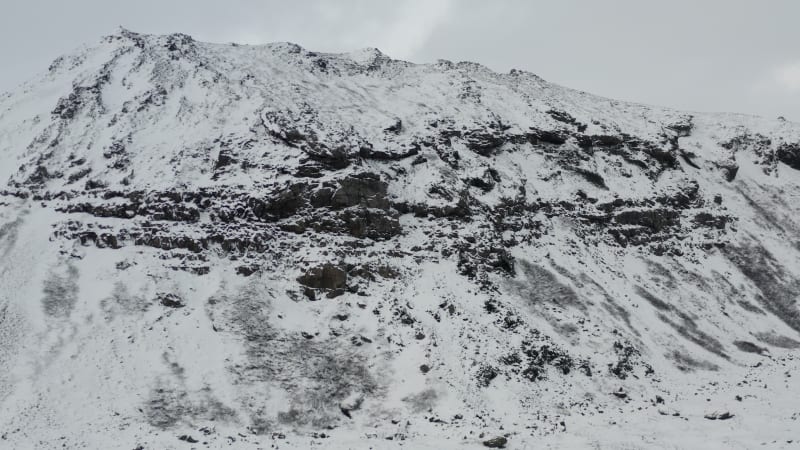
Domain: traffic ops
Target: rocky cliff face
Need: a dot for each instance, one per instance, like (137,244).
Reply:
(242,245)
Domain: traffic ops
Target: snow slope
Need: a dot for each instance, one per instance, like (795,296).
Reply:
(221,245)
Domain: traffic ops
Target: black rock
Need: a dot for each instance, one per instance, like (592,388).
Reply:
(170,300)
(750,347)
(396,128)
(189,439)
(497,442)
(364,189)
(789,154)
(719,416)
(326,276)
(246,271)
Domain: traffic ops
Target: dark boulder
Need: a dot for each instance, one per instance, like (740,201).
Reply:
(247,270)
(719,416)
(187,438)
(281,204)
(108,240)
(606,140)
(224,159)
(396,128)
(308,171)
(789,154)
(331,159)
(326,276)
(481,183)
(170,300)
(729,170)
(370,223)
(497,442)
(484,143)
(553,137)
(750,347)
(321,197)
(364,189)
(682,128)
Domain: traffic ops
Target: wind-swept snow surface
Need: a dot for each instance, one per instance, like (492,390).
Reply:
(206,245)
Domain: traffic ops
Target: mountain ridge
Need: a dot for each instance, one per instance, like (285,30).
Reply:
(280,242)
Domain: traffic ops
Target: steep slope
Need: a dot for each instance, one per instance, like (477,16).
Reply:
(253,245)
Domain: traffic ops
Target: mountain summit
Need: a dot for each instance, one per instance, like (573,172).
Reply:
(235,246)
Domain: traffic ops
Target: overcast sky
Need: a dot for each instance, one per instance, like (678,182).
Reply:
(700,55)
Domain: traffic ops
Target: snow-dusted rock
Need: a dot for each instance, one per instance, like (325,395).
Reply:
(487,254)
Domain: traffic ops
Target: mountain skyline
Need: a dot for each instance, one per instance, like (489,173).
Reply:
(709,56)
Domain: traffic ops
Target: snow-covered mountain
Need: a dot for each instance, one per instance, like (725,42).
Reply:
(221,245)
